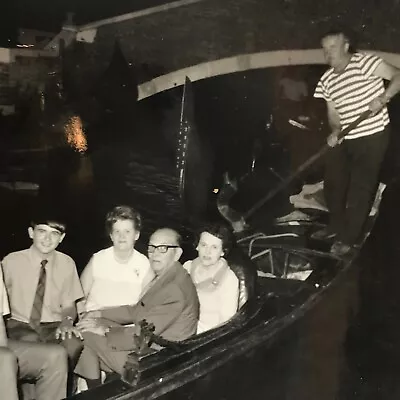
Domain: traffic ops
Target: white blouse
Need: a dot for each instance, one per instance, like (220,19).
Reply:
(109,283)
(218,300)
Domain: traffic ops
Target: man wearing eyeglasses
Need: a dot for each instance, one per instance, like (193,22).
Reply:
(170,303)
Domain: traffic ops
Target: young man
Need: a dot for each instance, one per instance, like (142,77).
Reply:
(170,303)
(354,84)
(46,364)
(43,287)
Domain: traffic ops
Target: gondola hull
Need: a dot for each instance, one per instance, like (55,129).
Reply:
(287,342)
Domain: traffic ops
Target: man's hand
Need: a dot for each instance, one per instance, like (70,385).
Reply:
(377,104)
(67,331)
(333,140)
(93,325)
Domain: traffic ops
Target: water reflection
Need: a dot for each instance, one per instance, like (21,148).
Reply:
(75,135)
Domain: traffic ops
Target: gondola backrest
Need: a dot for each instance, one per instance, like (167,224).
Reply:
(246,272)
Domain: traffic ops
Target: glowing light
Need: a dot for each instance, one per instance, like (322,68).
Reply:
(215,190)
(75,135)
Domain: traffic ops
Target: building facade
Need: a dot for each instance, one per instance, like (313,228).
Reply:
(22,72)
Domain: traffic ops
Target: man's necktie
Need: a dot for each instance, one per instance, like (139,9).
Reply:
(37,306)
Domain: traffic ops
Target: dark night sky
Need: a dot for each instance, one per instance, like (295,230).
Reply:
(50,14)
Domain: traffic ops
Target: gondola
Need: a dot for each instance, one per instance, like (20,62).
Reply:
(296,300)
(286,339)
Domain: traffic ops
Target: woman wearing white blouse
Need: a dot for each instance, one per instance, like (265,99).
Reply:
(117,275)
(216,284)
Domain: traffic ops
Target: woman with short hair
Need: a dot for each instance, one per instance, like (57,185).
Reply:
(216,284)
(119,274)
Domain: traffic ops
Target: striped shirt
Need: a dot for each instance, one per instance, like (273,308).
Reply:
(352,90)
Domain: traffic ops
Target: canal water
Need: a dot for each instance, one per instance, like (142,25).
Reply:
(253,130)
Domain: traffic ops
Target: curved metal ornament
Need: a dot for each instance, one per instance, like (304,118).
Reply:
(194,159)
(183,141)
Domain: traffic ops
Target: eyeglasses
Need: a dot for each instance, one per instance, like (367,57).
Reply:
(162,248)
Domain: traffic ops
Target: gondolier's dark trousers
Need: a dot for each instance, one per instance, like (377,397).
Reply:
(351,180)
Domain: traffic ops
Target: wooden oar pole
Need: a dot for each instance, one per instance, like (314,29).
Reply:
(303,167)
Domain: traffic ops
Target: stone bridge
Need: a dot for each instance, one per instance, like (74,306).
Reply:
(203,38)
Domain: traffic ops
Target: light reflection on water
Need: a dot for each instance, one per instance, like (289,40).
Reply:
(75,135)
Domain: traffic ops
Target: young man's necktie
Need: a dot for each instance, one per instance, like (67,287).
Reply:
(37,306)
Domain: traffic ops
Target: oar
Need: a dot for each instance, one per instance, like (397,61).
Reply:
(303,167)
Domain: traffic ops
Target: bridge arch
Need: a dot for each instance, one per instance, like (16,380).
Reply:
(242,62)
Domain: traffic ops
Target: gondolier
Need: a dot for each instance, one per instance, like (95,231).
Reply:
(353,85)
